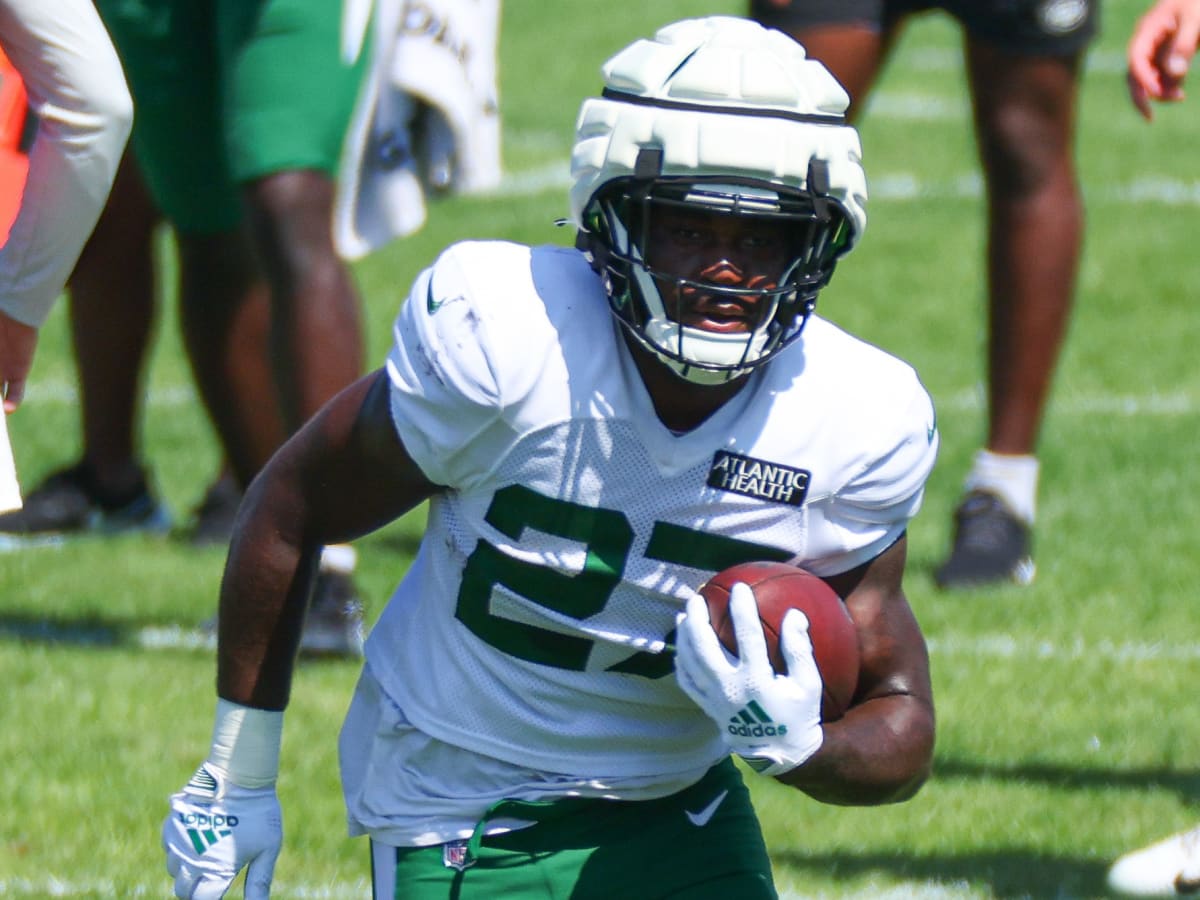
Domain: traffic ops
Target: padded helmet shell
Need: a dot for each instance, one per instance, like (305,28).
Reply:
(719,96)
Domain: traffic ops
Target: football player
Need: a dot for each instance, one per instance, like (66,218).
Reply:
(75,85)
(1023,60)
(545,709)
(1160,53)
(242,106)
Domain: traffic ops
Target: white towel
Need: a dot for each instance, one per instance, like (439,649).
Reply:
(427,118)
(10,491)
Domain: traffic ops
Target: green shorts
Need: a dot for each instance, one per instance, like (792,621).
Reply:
(703,843)
(226,91)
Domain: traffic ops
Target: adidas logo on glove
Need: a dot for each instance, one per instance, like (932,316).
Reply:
(204,819)
(753,721)
(205,831)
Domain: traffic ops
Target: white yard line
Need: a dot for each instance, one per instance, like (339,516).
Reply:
(884,186)
(1002,646)
(1153,403)
(65,887)
(990,646)
(914,890)
(949,59)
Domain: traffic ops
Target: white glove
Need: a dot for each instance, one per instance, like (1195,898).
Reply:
(214,829)
(772,721)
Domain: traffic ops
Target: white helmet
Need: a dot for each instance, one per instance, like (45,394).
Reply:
(727,115)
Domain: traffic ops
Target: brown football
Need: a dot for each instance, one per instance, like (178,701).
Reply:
(779,587)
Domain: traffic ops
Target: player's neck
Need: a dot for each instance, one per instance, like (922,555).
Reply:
(680,405)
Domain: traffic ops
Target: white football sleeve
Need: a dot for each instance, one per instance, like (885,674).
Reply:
(77,89)
(464,359)
(872,509)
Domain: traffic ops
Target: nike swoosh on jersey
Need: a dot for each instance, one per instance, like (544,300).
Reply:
(702,818)
(432,304)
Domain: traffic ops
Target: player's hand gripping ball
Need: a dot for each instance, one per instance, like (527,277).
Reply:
(779,587)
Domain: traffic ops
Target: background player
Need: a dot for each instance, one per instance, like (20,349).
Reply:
(1023,65)
(75,85)
(1159,54)
(242,107)
(517,729)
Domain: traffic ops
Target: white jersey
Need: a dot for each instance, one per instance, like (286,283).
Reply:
(532,627)
(75,85)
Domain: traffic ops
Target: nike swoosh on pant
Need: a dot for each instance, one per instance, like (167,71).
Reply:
(701,818)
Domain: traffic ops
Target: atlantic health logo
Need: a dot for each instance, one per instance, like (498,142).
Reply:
(758,478)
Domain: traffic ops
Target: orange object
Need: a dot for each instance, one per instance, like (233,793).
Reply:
(14,162)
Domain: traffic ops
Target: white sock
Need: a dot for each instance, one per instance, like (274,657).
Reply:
(1011,478)
(340,558)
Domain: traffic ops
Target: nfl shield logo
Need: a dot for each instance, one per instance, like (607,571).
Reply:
(454,855)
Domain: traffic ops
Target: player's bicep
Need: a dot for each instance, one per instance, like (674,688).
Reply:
(349,467)
(894,658)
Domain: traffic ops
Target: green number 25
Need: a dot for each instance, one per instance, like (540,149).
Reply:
(607,536)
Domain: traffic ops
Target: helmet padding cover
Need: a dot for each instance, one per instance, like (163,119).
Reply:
(719,96)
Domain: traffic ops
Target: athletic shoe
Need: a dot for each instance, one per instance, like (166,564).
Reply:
(991,545)
(68,502)
(212,524)
(1170,868)
(334,626)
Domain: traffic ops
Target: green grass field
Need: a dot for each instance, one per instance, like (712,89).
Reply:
(1065,732)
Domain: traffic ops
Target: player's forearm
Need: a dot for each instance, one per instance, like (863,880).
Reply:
(342,475)
(880,752)
(264,595)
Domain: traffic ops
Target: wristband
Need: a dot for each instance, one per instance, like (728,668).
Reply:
(245,743)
